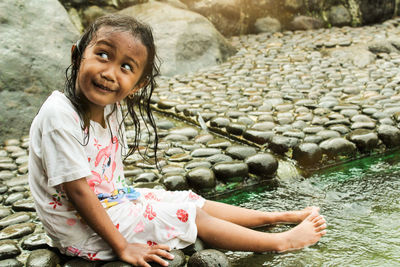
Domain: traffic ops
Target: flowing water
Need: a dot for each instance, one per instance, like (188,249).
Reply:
(361,202)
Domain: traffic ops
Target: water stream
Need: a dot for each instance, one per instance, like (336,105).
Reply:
(361,202)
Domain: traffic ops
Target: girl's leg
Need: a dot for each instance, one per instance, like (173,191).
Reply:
(226,235)
(253,218)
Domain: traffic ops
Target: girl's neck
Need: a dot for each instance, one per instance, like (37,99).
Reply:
(97,115)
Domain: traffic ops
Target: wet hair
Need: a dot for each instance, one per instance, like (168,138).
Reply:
(140,100)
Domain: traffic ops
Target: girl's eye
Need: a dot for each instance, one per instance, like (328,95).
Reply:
(127,67)
(103,55)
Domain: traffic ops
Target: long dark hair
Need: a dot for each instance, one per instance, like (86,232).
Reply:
(141,99)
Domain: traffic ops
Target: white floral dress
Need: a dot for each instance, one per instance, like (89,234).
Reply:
(60,152)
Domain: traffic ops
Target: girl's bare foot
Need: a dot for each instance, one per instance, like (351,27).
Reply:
(307,233)
(296,216)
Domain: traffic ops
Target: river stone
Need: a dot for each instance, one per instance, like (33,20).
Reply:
(176,137)
(307,154)
(205,152)
(17,231)
(172,168)
(338,147)
(8,166)
(339,16)
(365,140)
(282,144)
(165,124)
(197,163)
(236,128)
(34,241)
(219,122)
(11,263)
(188,145)
(231,171)
(42,258)
(24,205)
(198,245)
(267,24)
(306,23)
(175,181)
(240,152)
(4,212)
(19,180)
(219,143)
(201,178)
(6,174)
(182,157)
(203,138)
(123,264)
(174,150)
(190,132)
(18,217)
(80,262)
(186,41)
(258,137)
(218,158)
(3,188)
(146,177)
(8,249)
(178,261)
(390,135)
(207,258)
(13,198)
(262,164)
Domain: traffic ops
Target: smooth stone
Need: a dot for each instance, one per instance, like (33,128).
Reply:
(180,157)
(167,104)
(13,198)
(11,263)
(18,217)
(313,129)
(327,134)
(174,150)
(365,125)
(174,181)
(34,241)
(176,137)
(80,262)
(236,128)
(390,135)
(3,188)
(365,140)
(219,122)
(263,126)
(11,142)
(188,145)
(17,188)
(42,258)
(205,152)
(122,264)
(361,118)
(8,249)
(4,212)
(209,257)
(240,152)
(282,144)
(17,231)
(6,175)
(165,125)
(19,180)
(198,245)
(262,164)
(293,133)
(189,132)
(201,178)
(258,137)
(307,154)
(338,147)
(232,171)
(197,163)
(203,138)
(345,121)
(146,177)
(170,168)
(8,166)
(342,129)
(24,205)
(218,158)
(219,143)
(132,172)
(178,261)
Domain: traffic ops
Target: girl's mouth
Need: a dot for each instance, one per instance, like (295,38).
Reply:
(105,88)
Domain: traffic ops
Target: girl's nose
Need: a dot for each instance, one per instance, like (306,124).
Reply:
(108,74)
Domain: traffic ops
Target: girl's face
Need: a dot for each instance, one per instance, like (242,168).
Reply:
(111,67)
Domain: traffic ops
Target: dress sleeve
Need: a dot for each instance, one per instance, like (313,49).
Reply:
(64,158)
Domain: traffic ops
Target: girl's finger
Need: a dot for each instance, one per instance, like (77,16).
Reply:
(162,246)
(143,263)
(164,254)
(157,259)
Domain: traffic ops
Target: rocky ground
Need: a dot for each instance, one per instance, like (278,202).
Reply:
(313,98)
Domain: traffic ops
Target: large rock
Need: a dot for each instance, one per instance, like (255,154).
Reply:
(35,45)
(185,41)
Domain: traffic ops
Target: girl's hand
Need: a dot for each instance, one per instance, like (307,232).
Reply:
(140,254)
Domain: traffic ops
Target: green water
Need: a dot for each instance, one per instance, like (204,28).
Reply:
(361,203)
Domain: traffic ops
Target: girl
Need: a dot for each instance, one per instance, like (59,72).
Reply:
(76,172)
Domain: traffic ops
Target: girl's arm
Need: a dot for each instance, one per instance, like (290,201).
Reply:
(91,210)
